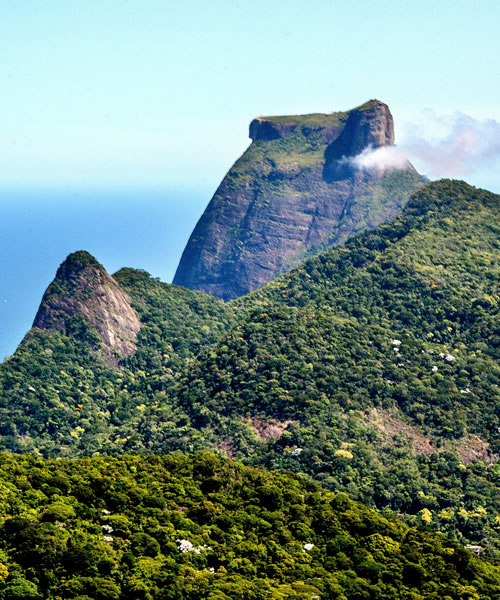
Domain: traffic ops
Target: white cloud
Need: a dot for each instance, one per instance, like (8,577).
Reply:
(386,157)
(440,146)
(465,144)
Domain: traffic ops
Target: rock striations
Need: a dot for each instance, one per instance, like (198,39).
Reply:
(293,193)
(83,289)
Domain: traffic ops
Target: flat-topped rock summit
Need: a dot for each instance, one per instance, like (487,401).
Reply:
(294,192)
(272,128)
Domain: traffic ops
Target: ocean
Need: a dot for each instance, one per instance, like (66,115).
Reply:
(139,228)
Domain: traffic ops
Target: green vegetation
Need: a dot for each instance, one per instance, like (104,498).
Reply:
(195,527)
(319,120)
(175,322)
(57,399)
(263,156)
(397,320)
(372,369)
(82,259)
(429,279)
(69,272)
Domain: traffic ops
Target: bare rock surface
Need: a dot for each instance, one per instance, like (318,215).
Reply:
(83,288)
(292,194)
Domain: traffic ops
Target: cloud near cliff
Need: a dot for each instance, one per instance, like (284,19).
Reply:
(467,144)
(382,158)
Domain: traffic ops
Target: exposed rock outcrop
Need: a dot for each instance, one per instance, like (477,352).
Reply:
(83,288)
(369,126)
(293,193)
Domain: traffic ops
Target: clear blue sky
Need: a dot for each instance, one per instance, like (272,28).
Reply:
(136,108)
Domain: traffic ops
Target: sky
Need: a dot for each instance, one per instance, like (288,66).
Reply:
(119,118)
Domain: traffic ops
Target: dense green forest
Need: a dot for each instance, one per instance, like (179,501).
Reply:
(372,369)
(58,398)
(192,527)
(381,360)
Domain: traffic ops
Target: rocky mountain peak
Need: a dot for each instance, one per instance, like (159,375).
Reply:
(369,125)
(83,288)
(292,193)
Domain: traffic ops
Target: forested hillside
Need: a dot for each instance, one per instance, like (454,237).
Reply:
(59,396)
(194,527)
(372,368)
(372,360)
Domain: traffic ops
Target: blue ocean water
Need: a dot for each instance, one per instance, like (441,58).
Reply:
(140,228)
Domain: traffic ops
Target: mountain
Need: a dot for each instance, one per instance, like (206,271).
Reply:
(202,527)
(372,369)
(60,394)
(374,366)
(294,192)
(84,295)
(422,289)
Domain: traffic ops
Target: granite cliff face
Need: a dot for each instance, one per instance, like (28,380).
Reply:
(370,126)
(83,289)
(294,192)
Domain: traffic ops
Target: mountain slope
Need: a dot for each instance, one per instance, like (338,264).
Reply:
(202,527)
(175,322)
(373,368)
(429,279)
(291,194)
(61,394)
(367,362)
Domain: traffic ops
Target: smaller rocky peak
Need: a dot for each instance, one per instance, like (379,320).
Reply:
(83,288)
(70,270)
